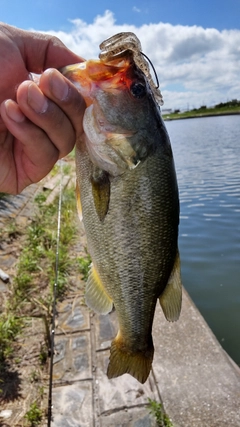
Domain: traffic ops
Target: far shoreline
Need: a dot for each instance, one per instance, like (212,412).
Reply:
(199,116)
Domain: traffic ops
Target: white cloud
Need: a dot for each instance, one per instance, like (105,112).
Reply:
(136,9)
(203,63)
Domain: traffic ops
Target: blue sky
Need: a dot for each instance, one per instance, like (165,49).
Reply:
(54,14)
(194,45)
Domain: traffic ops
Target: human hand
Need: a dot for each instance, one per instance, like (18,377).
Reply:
(39,123)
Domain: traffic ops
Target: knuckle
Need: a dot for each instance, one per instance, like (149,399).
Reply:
(57,118)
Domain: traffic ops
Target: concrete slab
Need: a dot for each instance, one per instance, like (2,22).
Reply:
(72,355)
(105,328)
(133,417)
(123,392)
(73,405)
(198,382)
(72,316)
(121,401)
(72,359)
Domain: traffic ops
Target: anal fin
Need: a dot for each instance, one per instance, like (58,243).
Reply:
(171,298)
(96,296)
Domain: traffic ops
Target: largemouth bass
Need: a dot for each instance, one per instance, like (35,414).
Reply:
(128,199)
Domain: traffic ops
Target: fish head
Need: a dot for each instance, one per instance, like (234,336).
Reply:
(122,114)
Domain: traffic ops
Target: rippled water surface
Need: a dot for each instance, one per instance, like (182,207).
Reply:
(207,159)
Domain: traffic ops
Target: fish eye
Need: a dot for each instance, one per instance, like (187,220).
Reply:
(138,90)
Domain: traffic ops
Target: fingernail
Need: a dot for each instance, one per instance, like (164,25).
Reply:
(36,99)
(14,112)
(58,86)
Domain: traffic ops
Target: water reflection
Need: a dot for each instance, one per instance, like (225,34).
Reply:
(207,158)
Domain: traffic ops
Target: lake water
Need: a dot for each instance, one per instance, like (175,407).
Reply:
(207,159)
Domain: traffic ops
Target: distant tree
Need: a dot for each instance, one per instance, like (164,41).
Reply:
(232,103)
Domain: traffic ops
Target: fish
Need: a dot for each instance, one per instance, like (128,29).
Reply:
(127,197)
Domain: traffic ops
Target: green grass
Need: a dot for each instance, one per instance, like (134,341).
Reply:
(10,326)
(231,107)
(84,265)
(157,410)
(31,292)
(34,415)
(37,263)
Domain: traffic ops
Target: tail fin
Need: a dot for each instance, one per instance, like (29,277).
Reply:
(123,361)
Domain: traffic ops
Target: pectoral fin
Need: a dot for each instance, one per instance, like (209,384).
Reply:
(96,296)
(101,192)
(171,298)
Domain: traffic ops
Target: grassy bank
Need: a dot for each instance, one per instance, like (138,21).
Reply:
(227,108)
(26,315)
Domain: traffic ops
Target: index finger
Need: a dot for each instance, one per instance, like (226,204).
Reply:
(40,51)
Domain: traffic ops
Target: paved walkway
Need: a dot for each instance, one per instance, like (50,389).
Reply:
(195,379)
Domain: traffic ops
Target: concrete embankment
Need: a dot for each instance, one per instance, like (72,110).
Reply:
(197,382)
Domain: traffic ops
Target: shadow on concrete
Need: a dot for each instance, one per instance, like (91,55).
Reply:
(10,383)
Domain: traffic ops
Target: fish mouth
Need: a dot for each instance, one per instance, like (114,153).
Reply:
(77,74)
(113,76)
(95,70)
(91,73)
(73,69)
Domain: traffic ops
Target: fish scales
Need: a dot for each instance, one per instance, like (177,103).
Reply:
(130,208)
